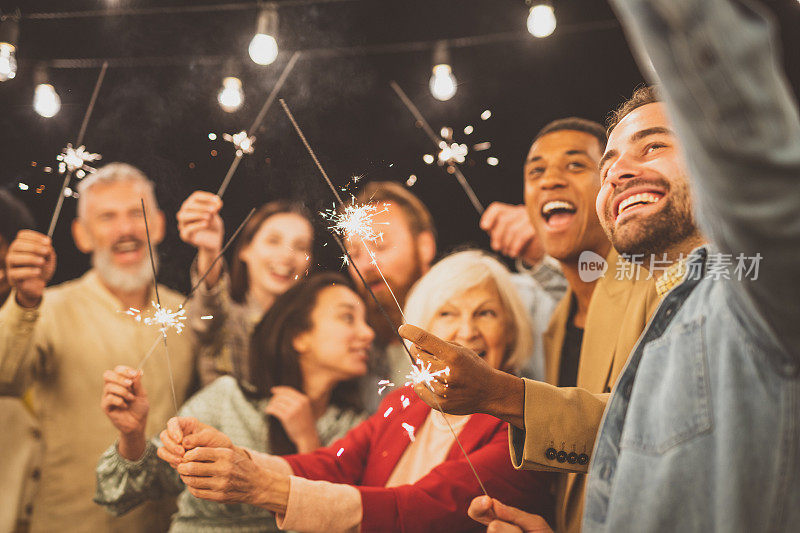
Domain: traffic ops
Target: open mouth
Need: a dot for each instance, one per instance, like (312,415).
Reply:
(558,213)
(636,200)
(124,247)
(281,272)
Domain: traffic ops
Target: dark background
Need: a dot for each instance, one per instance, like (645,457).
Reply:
(159,117)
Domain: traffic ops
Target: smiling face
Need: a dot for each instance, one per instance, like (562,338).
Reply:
(478,320)
(339,340)
(112,229)
(279,253)
(644,203)
(561,183)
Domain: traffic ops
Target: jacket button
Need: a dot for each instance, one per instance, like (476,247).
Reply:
(36,434)
(572,458)
(561,457)
(583,459)
(36,474)
(550,453)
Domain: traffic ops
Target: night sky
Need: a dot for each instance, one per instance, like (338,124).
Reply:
(158,117)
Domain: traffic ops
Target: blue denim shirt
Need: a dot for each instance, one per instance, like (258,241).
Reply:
(702,432)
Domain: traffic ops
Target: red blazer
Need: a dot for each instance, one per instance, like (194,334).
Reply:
(438,501)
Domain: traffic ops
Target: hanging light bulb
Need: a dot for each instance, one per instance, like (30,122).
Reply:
(542,19)
(231,96)
(443,83)
(46,101)
(263,48)
(9,33)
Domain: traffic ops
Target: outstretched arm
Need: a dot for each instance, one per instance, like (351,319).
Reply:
(731,106)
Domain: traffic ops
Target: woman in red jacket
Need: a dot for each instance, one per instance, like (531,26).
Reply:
(400,470)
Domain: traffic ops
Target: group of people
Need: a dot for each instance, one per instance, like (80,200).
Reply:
(640,371)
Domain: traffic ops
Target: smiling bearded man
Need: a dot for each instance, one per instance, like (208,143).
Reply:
(61,339)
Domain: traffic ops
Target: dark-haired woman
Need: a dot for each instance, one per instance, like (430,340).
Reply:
(309,346)
(271,254)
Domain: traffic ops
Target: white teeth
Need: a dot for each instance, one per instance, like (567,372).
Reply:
(644,197)
(552,205)
(126,246)
(286,271)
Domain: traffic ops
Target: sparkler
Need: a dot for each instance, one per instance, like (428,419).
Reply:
(452,154)
(355,220)
(244,141)
(372,294)
(176,316)
(74,160)
(74,155)
(421,374)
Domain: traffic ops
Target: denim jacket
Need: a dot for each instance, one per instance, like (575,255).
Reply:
(702,432)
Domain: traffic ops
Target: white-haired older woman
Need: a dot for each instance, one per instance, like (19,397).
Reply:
(401,469)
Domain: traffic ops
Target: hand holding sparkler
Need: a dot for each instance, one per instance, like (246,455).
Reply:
(185,433)
(511,232)
(500,517)
(30,264)
(125,403)
(200,225)
(470,385)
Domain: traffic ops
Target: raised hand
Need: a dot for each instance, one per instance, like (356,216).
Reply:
(511,232)
(30,264)
(185,433)
(124,402)
(199,223)
(501,518)
(293,409)
(471,385)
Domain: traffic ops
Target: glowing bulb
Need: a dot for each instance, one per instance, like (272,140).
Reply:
(542,20)
(263,49)
(46,101)
(443,83)
(231,96)
(8,63)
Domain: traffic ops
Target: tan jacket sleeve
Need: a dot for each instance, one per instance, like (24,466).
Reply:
(18,353)
(561,425)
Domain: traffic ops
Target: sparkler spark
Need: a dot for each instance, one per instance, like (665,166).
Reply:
(72,159)
(382,384)
(405,401)
(410,430)
(162,317)
(243,143)
(340,452)
(356,220)
(388,412)
(421,373)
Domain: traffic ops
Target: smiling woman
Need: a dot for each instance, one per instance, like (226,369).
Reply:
(272,253)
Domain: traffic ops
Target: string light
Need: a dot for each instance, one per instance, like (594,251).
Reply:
(263,48)
(46,101)
(443,84)
(9,33)
(541,19)
(231,96)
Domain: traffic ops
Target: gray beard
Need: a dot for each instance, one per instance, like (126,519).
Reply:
(129,279)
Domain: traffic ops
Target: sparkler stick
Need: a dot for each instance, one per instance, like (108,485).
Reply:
(257,122)
(158,300)
(81,134)
(199,281)
(422,371)
(473,198)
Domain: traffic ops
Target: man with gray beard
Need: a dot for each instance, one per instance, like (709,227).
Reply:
(61,339)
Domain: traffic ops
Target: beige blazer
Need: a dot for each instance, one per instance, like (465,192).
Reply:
(567,419)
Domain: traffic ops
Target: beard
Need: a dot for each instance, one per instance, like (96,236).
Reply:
(129,279)
(659,233)
(386,333)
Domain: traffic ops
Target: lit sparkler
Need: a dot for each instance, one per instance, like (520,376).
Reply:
(242,142)
(451,153)
(421,374)
(355,220)
(76,155)
(76,159)
(162,317)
